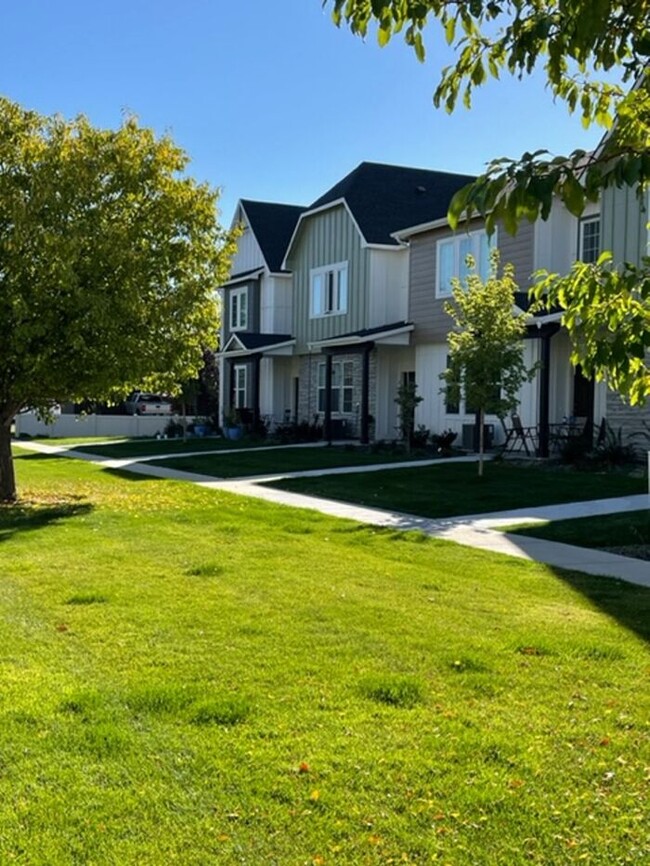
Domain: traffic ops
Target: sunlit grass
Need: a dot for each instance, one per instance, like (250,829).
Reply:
(194,678)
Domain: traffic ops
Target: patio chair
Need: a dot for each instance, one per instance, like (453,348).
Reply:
(519,438)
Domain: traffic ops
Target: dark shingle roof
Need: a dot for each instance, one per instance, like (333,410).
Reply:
(386,198)
(256,340)
(272,225)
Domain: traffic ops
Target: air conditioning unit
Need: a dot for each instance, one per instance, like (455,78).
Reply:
(470,437)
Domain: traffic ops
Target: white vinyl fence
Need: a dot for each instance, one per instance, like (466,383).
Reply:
(94,425)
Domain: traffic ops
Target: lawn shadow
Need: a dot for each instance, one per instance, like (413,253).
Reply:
(27,517)
(627,603)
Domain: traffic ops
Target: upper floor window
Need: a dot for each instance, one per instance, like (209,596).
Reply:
(239,309)
(329,290)
(589,239)
(451,256)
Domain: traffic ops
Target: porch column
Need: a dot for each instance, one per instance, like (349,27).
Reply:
(327,431)
(365,395)
(256,390)
(231,385)
(544,392)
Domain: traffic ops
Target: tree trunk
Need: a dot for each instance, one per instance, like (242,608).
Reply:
(7,476)
(481,444)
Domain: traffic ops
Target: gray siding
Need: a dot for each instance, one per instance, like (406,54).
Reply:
(425,310)
(328,238)
(623,225)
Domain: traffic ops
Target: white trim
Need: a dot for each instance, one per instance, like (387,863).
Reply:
(238,389)
(269,349)
(403,234)
(249,275)
(340,388)
(582,222)
(336,268)
(456,239)
(236,320)
(356,339)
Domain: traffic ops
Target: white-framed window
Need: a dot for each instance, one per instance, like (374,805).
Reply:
(451,258)
(240,386)
(589,239)
(328,290)
(342,387)
(455,401)
(239,309)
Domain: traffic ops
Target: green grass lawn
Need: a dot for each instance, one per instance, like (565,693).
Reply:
(612,531)
(286,460)
(447,490)
(144,447)
(193,678)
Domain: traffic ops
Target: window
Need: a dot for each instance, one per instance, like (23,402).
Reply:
(589,239)
(329,290)
(451,256)
(455,402)
(342,387)
(240,386)
(239,309)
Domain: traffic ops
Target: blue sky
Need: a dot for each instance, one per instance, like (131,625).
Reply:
(269,99)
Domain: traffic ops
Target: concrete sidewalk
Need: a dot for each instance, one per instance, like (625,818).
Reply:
(474,530)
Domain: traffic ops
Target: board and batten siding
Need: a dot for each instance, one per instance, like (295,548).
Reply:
(248,255)
(328,238)
(425,310)
(623,225)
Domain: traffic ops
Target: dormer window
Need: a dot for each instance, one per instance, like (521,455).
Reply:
(239,309)
(329,290)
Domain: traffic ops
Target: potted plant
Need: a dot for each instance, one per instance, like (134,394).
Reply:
(232,428)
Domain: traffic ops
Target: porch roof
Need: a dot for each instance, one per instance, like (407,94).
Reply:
(396,333)
(245,343)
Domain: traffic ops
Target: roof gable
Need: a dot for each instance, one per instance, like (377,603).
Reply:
(273,225)
(385,198)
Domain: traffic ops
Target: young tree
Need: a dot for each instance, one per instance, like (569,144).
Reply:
(486,350)
(571,40)
(109,261)
(407,402)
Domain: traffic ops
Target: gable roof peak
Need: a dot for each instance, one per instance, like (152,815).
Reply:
(384,198)
(273,224)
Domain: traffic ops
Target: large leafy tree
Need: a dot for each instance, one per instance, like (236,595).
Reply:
(109,261)
(486,347)
(577,43)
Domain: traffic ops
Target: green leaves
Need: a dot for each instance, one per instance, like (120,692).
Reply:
(607,314)
(109,258)
(486,346)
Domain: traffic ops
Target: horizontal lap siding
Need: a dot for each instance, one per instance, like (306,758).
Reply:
(425,310)
(328,238)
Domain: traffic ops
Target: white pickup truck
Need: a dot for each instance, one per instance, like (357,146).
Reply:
(142,403)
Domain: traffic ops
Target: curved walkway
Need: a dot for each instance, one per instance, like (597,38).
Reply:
(474,530)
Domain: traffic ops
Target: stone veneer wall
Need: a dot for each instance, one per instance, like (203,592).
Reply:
(628,418)
(308,389)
